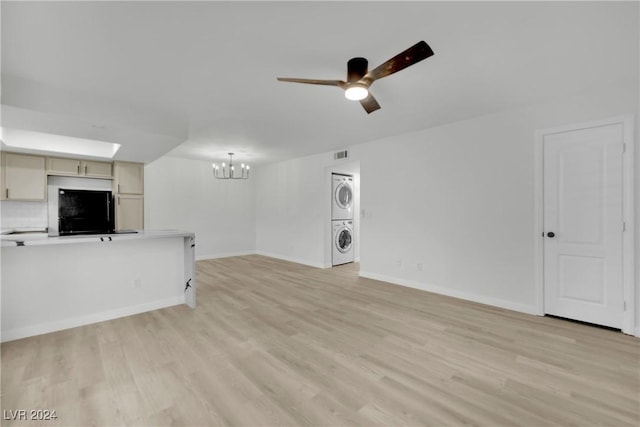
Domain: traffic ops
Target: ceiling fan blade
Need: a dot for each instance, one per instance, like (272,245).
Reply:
(338,83)
(413,55)
(370,104)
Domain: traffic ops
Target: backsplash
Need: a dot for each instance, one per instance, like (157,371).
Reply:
(15,214)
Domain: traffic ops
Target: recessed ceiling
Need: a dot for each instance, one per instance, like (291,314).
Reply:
(199,78)
(26,140)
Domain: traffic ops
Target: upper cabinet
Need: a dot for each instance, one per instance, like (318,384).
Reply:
(60,166)
(75,167)
(96,169)
(128,178)
(23,177)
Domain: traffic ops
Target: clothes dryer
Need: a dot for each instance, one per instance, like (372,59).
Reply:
(343,242)
(342,196)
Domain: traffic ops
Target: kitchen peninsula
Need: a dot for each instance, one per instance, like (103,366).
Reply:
(54,283)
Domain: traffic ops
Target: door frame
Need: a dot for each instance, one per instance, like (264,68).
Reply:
(628,237)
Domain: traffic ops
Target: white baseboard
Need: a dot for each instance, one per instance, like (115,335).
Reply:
(496,302)
(74,322)
(291,259)
(224,255)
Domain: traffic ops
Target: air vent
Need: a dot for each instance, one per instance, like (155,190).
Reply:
(340,155)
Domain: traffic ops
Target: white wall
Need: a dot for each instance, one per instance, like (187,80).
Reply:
(182,194)
(458,199)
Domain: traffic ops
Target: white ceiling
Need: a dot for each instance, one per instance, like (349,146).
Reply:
(199,78)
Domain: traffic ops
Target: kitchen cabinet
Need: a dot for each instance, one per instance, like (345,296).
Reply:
(94,169)
(75,167)
(61,166)
(23,177)
(128,186)
(129,212)
(128,178)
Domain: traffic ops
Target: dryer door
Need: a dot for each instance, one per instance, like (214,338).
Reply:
(344,240)
(344,195)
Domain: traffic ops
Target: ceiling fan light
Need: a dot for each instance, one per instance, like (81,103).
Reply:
(356,93)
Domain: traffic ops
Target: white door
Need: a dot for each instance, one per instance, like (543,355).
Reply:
(583,224)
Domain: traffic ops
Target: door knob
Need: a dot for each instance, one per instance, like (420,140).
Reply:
(551,234)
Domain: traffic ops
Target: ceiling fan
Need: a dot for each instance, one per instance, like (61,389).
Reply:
(359,79)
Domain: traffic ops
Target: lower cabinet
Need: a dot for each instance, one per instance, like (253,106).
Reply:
(129,212)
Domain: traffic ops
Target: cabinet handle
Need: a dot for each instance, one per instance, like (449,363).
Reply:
(7,193)
(85,169)
(118,200)
(118,192)
(78,167)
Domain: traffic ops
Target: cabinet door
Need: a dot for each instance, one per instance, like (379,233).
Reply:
(129,178)
(24,177)
(95,169)
(129,212)
(60,166)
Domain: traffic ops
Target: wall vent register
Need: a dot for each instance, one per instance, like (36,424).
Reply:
(340,155)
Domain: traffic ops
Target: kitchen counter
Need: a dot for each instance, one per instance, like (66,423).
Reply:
(35,237)
(55,283)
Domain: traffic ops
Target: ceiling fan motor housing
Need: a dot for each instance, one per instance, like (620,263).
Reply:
(356,69)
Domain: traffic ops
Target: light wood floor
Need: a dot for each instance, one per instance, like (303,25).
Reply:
(276,343)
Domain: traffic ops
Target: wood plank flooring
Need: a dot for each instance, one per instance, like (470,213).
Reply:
(276,343)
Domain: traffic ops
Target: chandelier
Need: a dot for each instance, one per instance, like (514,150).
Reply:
(230,172)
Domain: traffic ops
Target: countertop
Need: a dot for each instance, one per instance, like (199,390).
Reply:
(35,237)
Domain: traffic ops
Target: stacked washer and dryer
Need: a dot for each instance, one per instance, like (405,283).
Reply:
(342,219)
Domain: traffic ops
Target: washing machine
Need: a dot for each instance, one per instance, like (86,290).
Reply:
(342,196)
(343,242)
